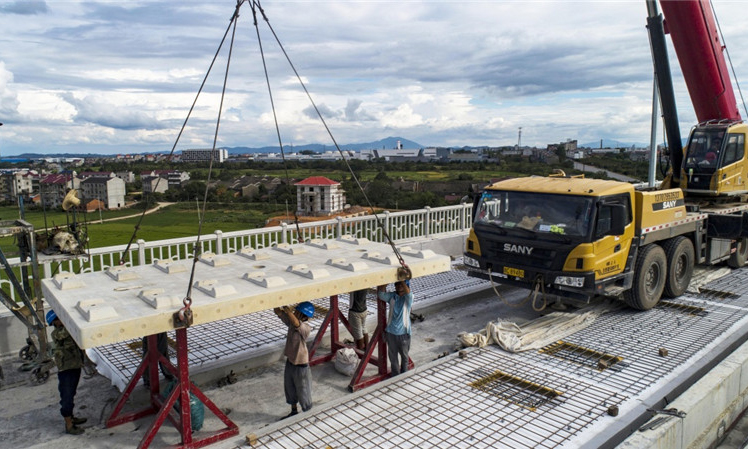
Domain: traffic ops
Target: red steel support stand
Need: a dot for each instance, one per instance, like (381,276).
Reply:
(164,407)
(367,357)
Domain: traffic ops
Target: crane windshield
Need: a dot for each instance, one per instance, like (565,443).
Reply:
(531,211)
(704,148)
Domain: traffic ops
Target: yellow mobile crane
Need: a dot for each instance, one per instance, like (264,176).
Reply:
(578,238)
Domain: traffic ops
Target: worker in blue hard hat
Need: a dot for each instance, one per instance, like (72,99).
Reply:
(69,360)
(297,376)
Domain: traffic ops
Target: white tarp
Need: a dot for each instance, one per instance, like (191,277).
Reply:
(537,333)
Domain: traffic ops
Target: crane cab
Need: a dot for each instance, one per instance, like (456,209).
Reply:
(715,162)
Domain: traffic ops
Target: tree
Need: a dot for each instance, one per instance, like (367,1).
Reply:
(380,192)
(382,176)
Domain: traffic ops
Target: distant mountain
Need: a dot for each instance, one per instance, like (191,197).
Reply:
(610,143)
(387,144)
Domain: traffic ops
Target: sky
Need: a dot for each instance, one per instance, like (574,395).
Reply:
(112,77)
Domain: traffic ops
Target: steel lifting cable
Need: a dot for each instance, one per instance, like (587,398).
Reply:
(234,17)
(538,288)
(183,317)
(254,7)
(404,271)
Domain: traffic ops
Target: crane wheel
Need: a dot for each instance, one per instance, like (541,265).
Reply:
(680,259)
(649,278)
(739,257)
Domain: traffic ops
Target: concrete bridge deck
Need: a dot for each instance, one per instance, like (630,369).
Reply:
(487,399)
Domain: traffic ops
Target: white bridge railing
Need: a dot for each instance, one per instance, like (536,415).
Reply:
(420,223)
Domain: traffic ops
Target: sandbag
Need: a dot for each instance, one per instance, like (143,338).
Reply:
(346,361)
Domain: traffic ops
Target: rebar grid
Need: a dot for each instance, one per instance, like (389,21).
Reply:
(727,289)
(437,408)
(638,338)
(684,308)
(582,356)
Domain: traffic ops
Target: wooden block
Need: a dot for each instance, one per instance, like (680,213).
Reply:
(214,260)
(169,266)
(309,273)
(67,281)
(348,266)
(95,310)
(252,254)
(156,298)
(290,249)
(353,240)
(323,244)
(121,273)
(259,278)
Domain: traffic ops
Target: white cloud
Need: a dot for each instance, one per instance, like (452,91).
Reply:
(8,98)
(102,76)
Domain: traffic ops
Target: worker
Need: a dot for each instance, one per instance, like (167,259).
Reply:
(397,332)
(713,152)
(162,345)
(297,376)
(69,360)
(357,318)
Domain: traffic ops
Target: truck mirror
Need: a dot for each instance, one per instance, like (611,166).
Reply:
(476,200)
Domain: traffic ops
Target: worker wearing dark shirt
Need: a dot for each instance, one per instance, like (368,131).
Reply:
(69,360)
(357,318)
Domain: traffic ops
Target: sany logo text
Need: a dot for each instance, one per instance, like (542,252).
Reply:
(520,249)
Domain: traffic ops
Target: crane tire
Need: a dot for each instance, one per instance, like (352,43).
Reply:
(739,257)
(680,259)
(649,278)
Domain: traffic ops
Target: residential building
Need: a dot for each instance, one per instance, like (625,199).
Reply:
(154,184)
(109,190)
(54,188)
(177,178)
(318,195)
(204,155)
(96,174)
(169,179)
(20,183)
(127,176)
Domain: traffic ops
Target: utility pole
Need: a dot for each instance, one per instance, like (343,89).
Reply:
(1,124)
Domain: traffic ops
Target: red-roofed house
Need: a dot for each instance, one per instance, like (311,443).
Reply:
(54,188)
(318,195)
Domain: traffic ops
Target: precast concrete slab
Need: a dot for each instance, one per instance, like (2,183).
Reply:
(123,303)
(244,338)
(588,390)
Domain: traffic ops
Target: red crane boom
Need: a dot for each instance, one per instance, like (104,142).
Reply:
(693,30)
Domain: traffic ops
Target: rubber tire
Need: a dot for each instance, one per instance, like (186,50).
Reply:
(649,278)
(28,352)
(739,257)
(680,260)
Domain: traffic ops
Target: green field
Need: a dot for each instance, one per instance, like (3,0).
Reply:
(178,220)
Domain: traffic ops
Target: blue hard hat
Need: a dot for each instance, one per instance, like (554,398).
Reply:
(306,308)
(51,316)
